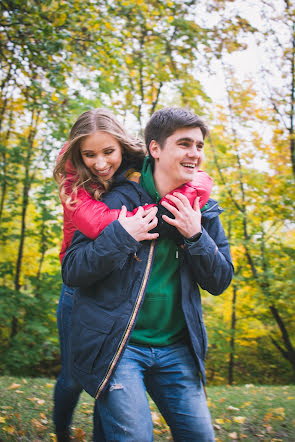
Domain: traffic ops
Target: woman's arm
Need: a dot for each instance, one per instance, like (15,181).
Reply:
(90,216)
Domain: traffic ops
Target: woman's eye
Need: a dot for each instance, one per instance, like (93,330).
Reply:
(108,152)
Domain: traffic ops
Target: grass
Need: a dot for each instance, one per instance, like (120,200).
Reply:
(250,413)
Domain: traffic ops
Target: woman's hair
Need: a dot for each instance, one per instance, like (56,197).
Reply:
(70,160)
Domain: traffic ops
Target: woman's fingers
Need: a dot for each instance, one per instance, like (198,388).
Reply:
(122,213)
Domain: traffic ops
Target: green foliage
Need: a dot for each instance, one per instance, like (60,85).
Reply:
(36,337)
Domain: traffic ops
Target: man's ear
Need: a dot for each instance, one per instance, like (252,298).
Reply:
(154,149)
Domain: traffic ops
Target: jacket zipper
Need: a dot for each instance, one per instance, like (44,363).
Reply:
(130,323)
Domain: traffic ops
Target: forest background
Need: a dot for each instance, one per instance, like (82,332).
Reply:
(60,58)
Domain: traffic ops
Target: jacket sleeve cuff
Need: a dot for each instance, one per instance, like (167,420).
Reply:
(203,246)
(117,239)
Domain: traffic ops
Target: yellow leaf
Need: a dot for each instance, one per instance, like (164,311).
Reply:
(48,385)
(246,404)
(219,421)
(239,419)
(13,386)
(2,420)
(290,397)
(9,429)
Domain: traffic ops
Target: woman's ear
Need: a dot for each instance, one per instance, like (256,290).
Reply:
(154,149)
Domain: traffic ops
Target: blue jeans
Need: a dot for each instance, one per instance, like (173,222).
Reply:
(170,375)
(67,389)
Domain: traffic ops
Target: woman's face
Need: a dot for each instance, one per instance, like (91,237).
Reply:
(101,154)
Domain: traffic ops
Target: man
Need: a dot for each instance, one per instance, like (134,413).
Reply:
(137,316)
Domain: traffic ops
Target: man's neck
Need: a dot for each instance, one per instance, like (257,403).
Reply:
(162,184)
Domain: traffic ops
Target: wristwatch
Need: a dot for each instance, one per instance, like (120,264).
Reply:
(194,237)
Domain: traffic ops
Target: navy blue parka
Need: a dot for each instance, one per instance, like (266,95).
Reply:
(111,275)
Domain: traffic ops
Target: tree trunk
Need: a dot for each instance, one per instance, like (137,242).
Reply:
(231,365)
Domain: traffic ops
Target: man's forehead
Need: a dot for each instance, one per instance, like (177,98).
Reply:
(187,133)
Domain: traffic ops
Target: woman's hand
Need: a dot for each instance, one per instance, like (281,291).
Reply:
(187,219)
(139,225)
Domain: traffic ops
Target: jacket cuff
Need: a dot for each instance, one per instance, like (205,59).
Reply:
(203,246)
(118,238)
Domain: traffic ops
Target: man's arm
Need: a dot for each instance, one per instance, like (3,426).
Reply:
(209,258)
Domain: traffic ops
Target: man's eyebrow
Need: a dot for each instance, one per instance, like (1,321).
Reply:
(190,140)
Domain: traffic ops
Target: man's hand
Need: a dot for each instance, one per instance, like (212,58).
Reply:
(139,225)
(187,219)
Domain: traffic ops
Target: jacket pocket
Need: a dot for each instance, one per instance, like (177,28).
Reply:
(88,336)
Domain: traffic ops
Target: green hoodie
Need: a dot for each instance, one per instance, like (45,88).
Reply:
(161,321)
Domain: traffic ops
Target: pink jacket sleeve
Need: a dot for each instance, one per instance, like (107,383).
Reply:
(201,186)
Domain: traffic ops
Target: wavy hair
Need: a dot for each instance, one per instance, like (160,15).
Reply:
(70,160)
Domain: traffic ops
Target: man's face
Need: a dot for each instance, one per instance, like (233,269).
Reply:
(180,158)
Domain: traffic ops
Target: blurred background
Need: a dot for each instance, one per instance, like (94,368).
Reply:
(230,61)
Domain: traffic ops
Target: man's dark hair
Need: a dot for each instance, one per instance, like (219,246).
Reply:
(166,121)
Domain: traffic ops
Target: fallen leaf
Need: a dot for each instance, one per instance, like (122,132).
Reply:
(13,386)
(2,420)
(239,419)
(280,411)
(38,424)
(79,434)
(289,398)
(233,435)
(24,381)
(219,421)
(37,400)
(8,429)
(246,404)
(233,408)
(48,385)
(217,427)
(156,418)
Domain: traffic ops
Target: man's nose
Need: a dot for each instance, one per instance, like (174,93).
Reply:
(194,152)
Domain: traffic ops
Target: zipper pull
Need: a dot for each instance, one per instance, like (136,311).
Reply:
(136,257)
(176,254)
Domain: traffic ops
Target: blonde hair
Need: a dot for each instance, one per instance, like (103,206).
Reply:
(133,153)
